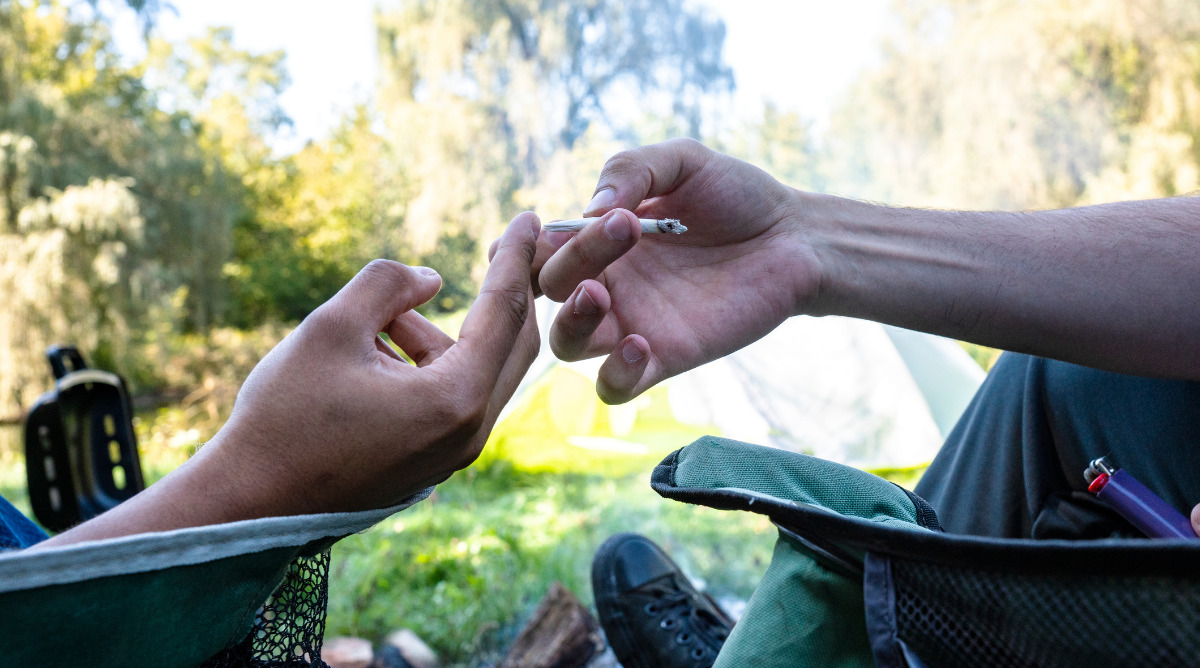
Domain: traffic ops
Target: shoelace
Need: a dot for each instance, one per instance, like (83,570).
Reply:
(715,625)
(707,622)
(667,599)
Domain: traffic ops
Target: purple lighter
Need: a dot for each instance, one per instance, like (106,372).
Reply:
(1136,503)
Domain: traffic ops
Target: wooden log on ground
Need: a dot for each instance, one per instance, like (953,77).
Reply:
(561,634)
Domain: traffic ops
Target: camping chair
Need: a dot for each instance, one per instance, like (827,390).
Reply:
(862,575)
(81,456)
(243,594)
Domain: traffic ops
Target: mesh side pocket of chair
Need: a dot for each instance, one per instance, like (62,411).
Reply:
(954,615)
(938,600)
(289,627)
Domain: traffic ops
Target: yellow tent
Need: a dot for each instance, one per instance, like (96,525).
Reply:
(847,390)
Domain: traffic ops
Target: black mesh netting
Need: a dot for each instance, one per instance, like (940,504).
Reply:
(954,617)
(288,628)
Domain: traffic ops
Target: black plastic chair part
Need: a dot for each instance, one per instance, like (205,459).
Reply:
(48,466)
(63,360)
(81,455)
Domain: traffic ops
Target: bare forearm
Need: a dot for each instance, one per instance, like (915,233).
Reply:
(334,420)
(201,492)
(1114,286)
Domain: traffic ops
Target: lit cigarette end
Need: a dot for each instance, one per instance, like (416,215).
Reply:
(649,225)
(667,225)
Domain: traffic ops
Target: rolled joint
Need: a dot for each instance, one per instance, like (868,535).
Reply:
(649,225)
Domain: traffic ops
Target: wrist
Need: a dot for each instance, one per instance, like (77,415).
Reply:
(822,224)
(203,491)
(241,482)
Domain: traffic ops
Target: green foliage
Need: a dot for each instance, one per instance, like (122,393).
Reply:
(110,206)
(490,101)
(203,224)
(465,569)
(334,206)
(783,144)
(454,258)
(1026,105)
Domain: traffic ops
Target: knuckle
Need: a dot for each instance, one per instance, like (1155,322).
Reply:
(690,151)
(514,301)
(620,163)
(323,323)
(442,410)
(469,410)
(386,270)
(468,453)
(455,412)
(686,144)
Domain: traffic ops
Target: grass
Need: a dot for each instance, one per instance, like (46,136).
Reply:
(465,568)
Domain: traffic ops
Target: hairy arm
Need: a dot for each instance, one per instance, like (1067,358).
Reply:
(1114,286)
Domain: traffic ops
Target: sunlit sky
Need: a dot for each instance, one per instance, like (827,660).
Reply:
(801,54)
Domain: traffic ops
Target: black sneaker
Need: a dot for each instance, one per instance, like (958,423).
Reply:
(651,613)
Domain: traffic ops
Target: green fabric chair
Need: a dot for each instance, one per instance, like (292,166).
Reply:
(862,575)
(241,594)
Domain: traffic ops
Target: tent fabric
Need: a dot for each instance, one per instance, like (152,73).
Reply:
(167,599)
(846,390)
(946,376)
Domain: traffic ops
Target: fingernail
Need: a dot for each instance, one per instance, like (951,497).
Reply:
(631,352)
(536,226)
(584,304)
(617,227)
(427,271)
(604,199)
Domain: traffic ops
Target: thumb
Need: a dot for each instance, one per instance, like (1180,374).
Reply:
(379,294)
(1196,519)
(630,177)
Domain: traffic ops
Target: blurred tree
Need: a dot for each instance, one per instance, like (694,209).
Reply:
(781,142)
(70,223)
(341,206)
(487,99)
(1032,104)
(115,200)
(230,99)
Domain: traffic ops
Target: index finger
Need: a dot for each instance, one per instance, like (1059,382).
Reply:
(490,330)
(631,177)
(589,253)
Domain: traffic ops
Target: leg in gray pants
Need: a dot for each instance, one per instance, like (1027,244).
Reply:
(1013,465)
